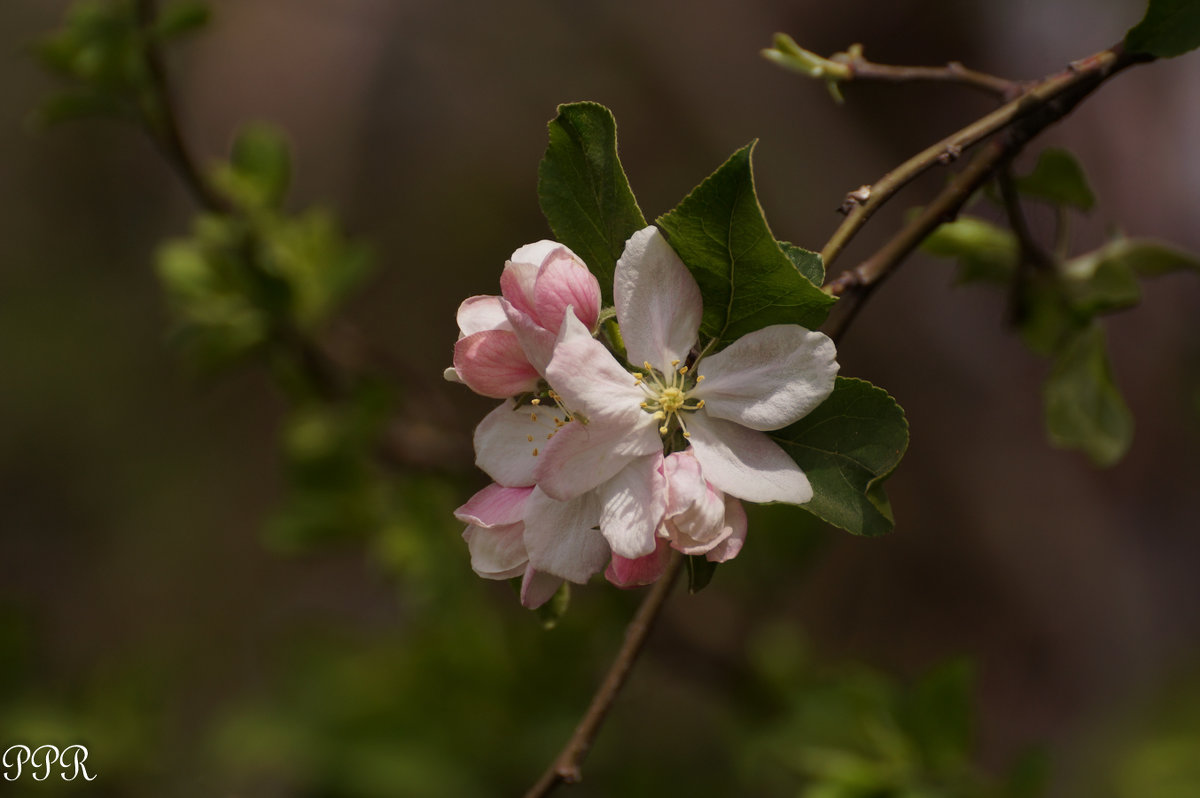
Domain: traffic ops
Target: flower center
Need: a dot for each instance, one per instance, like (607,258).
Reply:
(667,395)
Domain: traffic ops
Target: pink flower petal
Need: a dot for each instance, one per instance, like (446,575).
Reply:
(536,342)
(495,505)
(769,378)
(517,283)
(479,313)
(498,552)
(735,522)
(632,505)
(493,364)
(537,252)
(561,537)
(537,588)
(502,446)
(746,463)
(696,513)
(658,301)
(582,456)
(624,572)
(563,281)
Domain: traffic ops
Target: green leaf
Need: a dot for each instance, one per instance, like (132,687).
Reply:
(583,191)
(1058,178)
(553,610)
(1147,257)
(1046,319)
(1170,28)
(985,252)
(259,170)
(1084,409)
(745,278)
(807,263)
(1099,282)
(181,18)
(847,447)
(700,572)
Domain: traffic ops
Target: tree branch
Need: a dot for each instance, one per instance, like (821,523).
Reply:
(862,203)
(566,766)
(861,281)
(954,72)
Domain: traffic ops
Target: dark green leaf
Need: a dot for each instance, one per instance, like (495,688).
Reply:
(807,263)
(1084,409)
(181,17)
(1058,178)
(700,572)
(69,106)
(985,252)
(1170,28)
(847,447)
(745,278)
(583,191)
(1045,318)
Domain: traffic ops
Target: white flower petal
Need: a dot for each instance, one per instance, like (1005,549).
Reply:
(561,537)
(536,252)
(537,588)
(581,456)
(479,313)
(746,463)
(502,446)
(495,505)
(658,301)
(497,552)
(769,378)
(632,505)
(591,381)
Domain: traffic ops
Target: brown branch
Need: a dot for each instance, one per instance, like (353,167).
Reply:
(565,769)
(954,72)
(861,204)
(858,283)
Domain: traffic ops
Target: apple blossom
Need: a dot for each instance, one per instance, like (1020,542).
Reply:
(716,406)
(505,341)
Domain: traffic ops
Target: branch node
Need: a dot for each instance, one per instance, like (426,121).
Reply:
(855,198)
(950,154)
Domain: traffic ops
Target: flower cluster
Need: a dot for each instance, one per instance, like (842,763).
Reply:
(613,447)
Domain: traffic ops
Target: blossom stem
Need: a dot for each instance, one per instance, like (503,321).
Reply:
(953,72)
(565,769)
(862,203)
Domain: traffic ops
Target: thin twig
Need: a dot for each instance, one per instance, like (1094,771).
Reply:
(858,283)
(163,126)
(862,203)
(1030,253)
(953,72)
(566,766)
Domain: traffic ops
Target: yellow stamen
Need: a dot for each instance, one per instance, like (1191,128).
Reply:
(536,402)
(535,452)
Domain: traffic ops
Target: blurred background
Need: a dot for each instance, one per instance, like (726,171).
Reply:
(172,598)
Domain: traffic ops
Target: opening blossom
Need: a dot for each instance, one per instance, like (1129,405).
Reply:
(656,455)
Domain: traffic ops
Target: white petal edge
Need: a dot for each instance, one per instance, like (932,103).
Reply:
(746,463)
(502,447)
(497,552)
(479,313)
(769,378)
(561,537)
(632,505)
(657,299)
